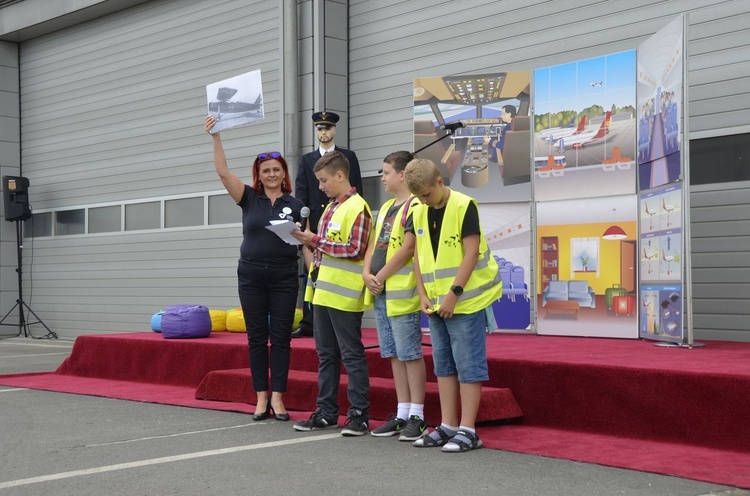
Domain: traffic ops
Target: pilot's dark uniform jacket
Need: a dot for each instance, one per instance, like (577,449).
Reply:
(306,186)
(307,189)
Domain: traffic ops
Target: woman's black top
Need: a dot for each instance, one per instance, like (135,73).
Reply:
(259,245)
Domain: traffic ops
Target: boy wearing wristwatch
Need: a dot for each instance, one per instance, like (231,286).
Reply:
(457,279)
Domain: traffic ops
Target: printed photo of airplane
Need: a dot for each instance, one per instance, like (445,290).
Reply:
(579,140)
(555,134)
(223,107)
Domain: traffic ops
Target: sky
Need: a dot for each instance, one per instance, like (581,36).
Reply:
(569,86)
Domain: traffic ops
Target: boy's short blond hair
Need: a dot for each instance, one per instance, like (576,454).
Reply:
(421,174)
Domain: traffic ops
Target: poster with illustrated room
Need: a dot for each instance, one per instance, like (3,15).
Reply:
(584,128)
(587,253)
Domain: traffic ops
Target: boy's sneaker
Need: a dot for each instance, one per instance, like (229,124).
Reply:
(355,426)
(414,429)
(316,422)
(392,426)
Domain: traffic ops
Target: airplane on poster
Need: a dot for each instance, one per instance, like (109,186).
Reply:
(223,106)
(582,139)
(555,134)
(594,85)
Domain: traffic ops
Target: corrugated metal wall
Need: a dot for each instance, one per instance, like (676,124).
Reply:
(112,110)
(392,42)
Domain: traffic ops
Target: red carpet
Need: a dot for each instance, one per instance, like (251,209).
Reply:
(623,403)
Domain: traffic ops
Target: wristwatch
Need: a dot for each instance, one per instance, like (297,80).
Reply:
(457,290)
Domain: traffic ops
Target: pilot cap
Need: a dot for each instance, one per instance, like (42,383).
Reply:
(325,119)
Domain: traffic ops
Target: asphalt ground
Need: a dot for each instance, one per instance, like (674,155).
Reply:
(65,444)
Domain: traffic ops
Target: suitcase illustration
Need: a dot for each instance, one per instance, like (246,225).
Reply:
(609,293)
(623,304)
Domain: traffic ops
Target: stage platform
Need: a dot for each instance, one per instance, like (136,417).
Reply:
(624,403)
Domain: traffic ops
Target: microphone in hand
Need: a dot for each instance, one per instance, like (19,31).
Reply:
(304,215)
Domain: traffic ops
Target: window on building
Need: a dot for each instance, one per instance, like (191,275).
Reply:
(139,216)
(105,219)
(38,226)
(722,159)
(183,212)
(223,210)
(69,222)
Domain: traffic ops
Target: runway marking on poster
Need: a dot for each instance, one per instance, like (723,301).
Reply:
(166,459)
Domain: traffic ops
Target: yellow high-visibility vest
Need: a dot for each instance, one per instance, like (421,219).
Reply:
(339,284)
(484,285)
(401,295)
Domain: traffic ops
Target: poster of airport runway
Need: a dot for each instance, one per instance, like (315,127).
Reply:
(586,254)
(487,154)
(659,91)
(236,101)
(584,128)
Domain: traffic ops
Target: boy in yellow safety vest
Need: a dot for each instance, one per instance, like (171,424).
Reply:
(457,279)
(337,292)
(389,276)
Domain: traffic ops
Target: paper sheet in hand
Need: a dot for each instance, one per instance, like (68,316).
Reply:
(236,101)
(284,230)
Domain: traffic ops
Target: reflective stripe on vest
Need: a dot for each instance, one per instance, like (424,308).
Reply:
(339,284)
(484,285)
(401,295)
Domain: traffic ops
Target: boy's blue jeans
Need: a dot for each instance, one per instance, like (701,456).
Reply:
(459,346)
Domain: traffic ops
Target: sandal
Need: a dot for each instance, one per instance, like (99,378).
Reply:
(462,441)
(436,438)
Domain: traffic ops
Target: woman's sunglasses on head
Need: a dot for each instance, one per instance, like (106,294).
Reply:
(267,155)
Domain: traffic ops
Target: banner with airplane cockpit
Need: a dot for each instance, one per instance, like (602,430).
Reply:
(476,128)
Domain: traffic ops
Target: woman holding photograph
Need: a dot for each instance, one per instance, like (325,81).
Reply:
(267,271)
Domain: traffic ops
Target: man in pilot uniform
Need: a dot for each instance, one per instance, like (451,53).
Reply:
(307,189)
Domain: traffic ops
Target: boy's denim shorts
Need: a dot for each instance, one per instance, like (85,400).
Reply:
(399,336)
(459,346)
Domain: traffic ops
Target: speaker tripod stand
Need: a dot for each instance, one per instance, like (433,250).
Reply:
(23,324)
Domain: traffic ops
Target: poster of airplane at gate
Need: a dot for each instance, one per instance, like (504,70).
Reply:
(584,128)
(236,101)
(585,271)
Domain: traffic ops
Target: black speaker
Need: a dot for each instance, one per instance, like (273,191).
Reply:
(16,198)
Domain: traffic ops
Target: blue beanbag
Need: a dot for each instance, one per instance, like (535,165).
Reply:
(156,321)
(186,321)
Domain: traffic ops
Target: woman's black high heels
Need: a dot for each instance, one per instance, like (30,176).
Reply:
(263,415)
(282,417)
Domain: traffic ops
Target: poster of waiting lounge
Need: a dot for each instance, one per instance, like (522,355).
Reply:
(587,254)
